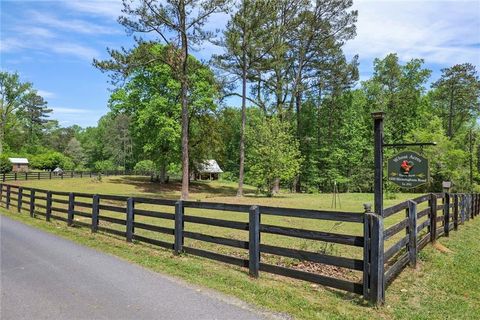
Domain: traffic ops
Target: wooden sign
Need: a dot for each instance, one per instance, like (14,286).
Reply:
(408,169)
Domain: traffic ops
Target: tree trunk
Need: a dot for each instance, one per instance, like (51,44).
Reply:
(244,120)
(298,106)
(276,186)
(184,92)
(163,173)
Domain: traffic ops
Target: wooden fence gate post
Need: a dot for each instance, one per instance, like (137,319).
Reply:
(373,271)
(412,233)
(130,219)
(71,208)
(433,217)
(95,210)
(254,241)
(48,210)
(20,200)
(446,214)
(179,211)
(462,208)
(32,203)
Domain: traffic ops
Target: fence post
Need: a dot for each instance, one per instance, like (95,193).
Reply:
(7,204)
(130,219)
(95,210)
(20,200)
(433,217)
(32,203)
(446,214)
(15,175)
(39,176)
(373,273)
(71,207)
(3,178)
(254,241)
(26,175)
(81,174)
(48,210)
(455,211)
(472,204)
(50,175)
(412,233)
(462,208)
(179,211)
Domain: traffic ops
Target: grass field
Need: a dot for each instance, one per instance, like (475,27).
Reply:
(445,284)
(219,191)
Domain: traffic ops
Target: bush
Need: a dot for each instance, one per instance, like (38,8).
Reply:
(51,160)
(105,165)
(5,164)
(145,166)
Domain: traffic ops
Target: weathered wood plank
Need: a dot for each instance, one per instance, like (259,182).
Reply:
(217,222)
(312,277)
(314,235)
(395,209)
(395,269)
(254,241)
(154,214)
(394,249)
(396,228)
(313,214)
(216,256)
(349,263)
(150,227)
(214,239)
(153,241)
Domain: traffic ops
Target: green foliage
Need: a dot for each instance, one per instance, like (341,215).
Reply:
(273,153)
(51,160)
(105,165)
(146,166)
(5,164)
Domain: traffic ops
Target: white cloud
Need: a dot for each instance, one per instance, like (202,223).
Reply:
(108,8)
(72,111)
(445,32)
(74,25)
(75,49)
(46,94)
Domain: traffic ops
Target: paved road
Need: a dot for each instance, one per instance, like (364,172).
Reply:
(46,277)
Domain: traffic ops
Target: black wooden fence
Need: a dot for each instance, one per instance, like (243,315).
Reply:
(427,218)
(125,216)
(42,175)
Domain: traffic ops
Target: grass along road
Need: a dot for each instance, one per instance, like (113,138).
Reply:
(444,285)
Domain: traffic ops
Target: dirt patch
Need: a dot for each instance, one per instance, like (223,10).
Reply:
(441,248)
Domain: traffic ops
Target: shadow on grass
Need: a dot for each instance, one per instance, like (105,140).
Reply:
(173,188)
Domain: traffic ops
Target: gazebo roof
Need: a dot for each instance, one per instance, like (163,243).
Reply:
(209,166)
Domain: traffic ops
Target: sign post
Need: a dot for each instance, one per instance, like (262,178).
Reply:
(378,161)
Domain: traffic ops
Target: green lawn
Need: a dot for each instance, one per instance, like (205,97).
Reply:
(444,285)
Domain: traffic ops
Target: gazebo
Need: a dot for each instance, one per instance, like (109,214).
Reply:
(208,170)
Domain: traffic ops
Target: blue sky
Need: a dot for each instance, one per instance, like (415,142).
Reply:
(52,44)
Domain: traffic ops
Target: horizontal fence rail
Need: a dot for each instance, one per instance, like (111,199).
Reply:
(253,236)
(44,175)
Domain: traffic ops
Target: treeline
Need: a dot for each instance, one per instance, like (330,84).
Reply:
(303,118)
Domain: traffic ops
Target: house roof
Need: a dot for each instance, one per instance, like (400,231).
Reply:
(18,160)
(209,166)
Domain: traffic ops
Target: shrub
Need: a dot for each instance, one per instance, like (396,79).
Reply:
(145,166)
(105,165)
(5,164)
